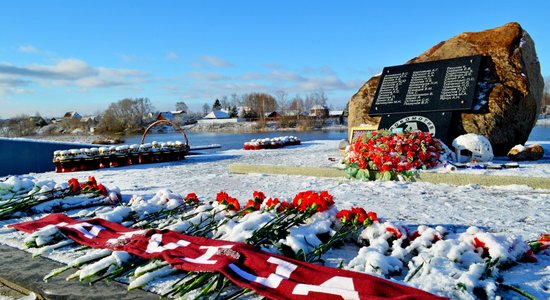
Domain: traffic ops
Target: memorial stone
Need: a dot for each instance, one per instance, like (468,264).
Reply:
(507,96)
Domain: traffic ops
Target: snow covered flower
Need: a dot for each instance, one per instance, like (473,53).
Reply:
(192,198)
(271,203)
(102,189)
(309,200)
(74,185)
(231,203)
(541,244)
(251,206)
(357,216)
(255,203)
(258,197)
(46,191)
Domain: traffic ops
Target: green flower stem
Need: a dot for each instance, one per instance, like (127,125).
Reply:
(208,287)
(194,283)
(238,295)
(175,286)
(343,233)
(517,290)
(26,203)
(123,270)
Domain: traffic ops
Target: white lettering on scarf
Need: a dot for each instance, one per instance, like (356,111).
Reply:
(156,239)
(88,233)
(283,271)
(205,258)
(332,286)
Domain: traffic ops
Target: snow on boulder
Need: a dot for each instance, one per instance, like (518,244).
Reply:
(520,152)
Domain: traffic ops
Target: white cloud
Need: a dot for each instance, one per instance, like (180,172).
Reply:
(274,75)
(13,85)
(170,55)
(326,83)
(217,62)
(207,76)
(285,76)
(64,69)
(69,72)
(272,79)
(325,70)
(28,49)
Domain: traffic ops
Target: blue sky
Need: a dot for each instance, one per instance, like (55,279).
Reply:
(58,56)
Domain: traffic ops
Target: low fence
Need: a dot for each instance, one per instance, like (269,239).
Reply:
(22,156)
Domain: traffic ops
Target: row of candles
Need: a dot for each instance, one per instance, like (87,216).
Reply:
(86,159)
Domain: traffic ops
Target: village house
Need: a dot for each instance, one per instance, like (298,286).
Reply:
(72,115)
(218,117)
(319,111)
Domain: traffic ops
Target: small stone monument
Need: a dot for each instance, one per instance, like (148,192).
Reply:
(508,88)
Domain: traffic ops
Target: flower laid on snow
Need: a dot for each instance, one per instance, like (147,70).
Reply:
(271,203)
(289,214)
(102,189)
(38,195)
(395,232)
(385,155)
(464,265)
(357,216)
(251,206)
(309,200)
(255,203)
(89,186)
(74,185)
(231,203)
(285,206)
(541,244)
(192,198)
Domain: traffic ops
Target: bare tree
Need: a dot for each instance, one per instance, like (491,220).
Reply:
(225,103)
(235,100)
(309,102)
(260,103)
(182,106)
(205,108)
(127,115)
(282,100)
(320,98)
(297,104)
(20,125)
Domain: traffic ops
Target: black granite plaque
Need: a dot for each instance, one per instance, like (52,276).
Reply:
(441,85)
(437,123)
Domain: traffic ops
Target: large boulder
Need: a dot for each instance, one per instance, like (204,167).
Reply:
(509,80)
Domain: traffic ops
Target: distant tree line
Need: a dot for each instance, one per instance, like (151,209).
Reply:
(132,115)
(261,103)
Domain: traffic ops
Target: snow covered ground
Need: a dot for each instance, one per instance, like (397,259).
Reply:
(511,211)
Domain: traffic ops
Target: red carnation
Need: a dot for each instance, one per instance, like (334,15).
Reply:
(394,231)
(102,189)
(272,202)
(284,206)
(192,198)
(74,186)
(221,197)
(258,196)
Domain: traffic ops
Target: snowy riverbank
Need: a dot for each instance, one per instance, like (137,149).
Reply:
(508,211)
